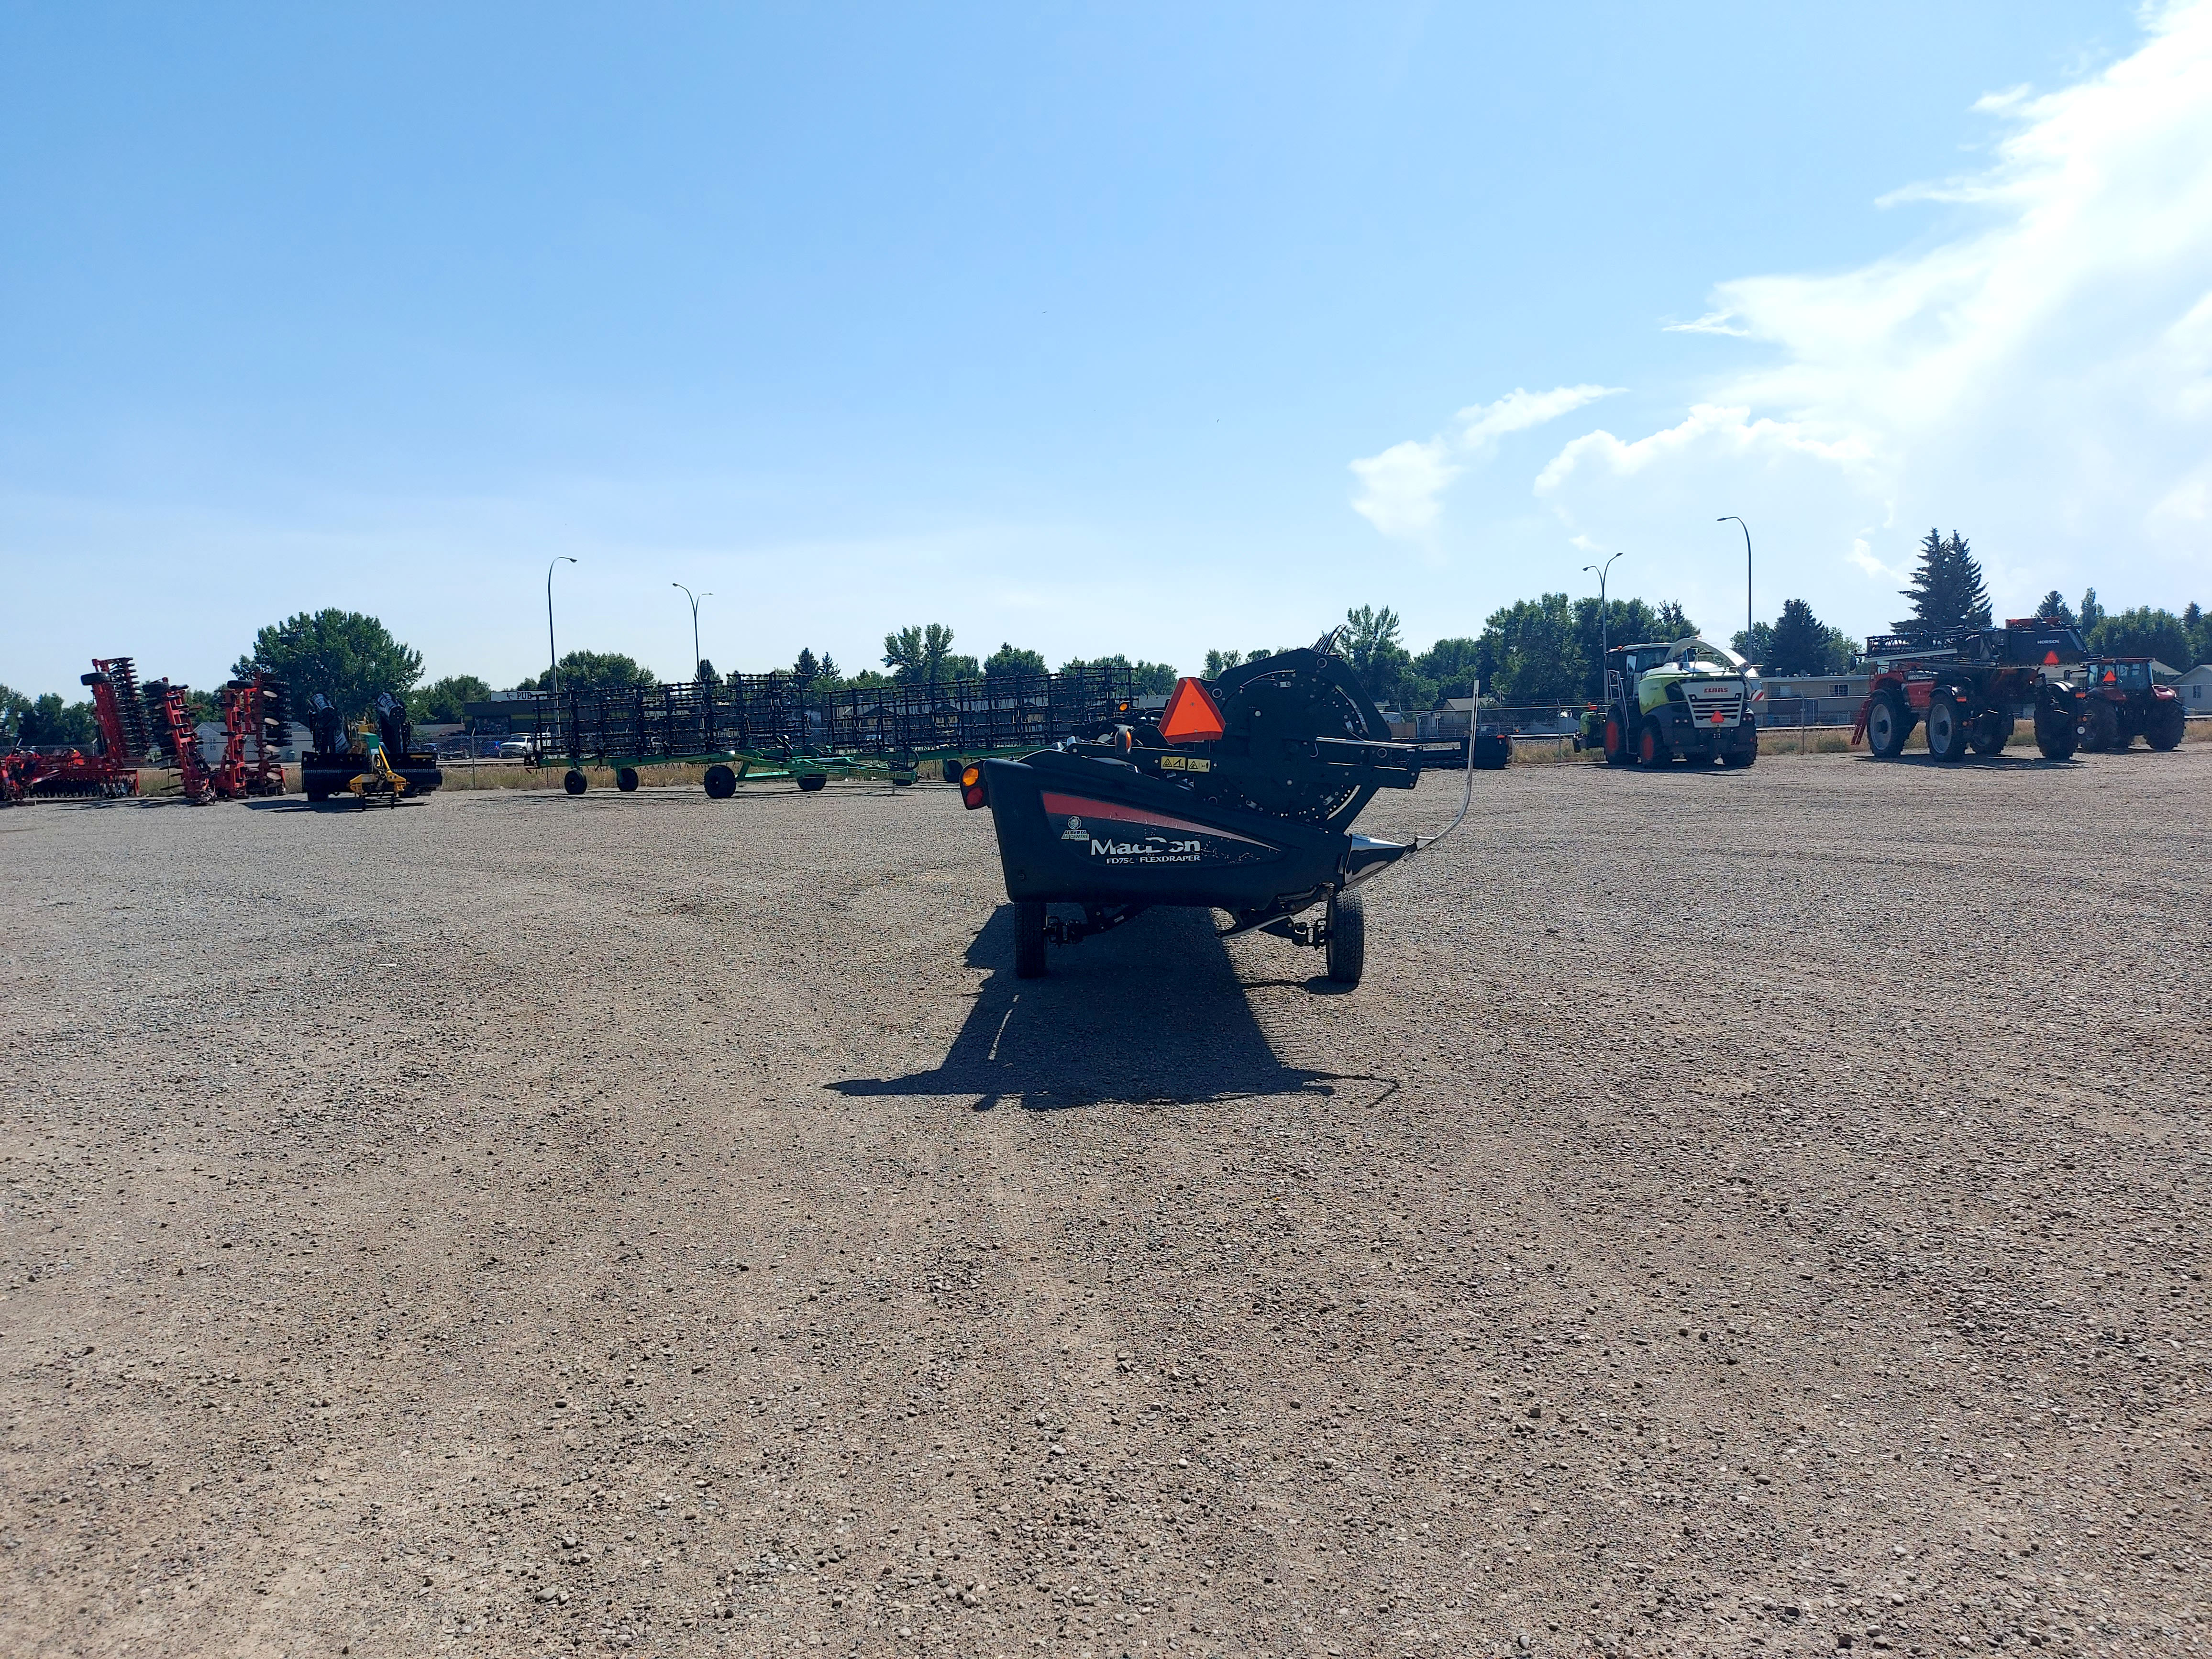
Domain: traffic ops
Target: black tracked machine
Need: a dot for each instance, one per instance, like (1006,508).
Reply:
(1240,798)
(333,766)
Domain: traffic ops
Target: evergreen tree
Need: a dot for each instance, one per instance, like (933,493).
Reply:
(1948,591)
(1802,644)
(806,670)
(2092,612)
(1671,623)
(2054,608)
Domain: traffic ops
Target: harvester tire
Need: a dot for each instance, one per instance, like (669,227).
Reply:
(574,781)
(1946,728)
(1652,749)
(626,780)
(2168,723)
(1346,952)
(1617,752)
(1029,938)
(811,781)
(1744,751)
(721,783)
(1889,723)
(2103,726)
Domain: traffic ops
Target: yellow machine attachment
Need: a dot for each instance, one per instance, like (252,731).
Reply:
(379,782)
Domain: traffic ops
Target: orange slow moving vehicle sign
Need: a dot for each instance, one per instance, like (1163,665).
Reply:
(1190,716)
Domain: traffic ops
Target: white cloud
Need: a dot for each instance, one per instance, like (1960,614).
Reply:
(1401,489)
(2040,379)
(1713,322)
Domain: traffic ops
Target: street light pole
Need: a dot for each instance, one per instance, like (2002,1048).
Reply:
(694,599)
(1746,528)
(1604,629)
(551,651)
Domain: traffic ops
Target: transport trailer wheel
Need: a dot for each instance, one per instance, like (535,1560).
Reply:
(1346,950)
(1990,734)
(2168,721)
(573,781)
(1029,938)
(811,781)
(1946,729)
(626,780)
(1617,752)
(1889,725)
(2055,734)
(721,782)
(1652,749)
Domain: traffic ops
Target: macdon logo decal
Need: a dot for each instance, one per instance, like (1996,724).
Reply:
(1115,834)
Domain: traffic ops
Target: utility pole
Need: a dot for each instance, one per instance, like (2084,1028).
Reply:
(1604,630)
(1746,528)
(551,651)
(694,599)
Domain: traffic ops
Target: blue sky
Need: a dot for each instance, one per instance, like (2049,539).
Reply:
(1093,329)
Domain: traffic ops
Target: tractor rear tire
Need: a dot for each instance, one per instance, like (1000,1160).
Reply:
(2102,727)
(721,783)
(2168,723)
(811,781)
(1617,752)
(1029,938)
(1653,751)
(1345,952)
(626,780)
(1946,728)
(574,781)
(1889,723)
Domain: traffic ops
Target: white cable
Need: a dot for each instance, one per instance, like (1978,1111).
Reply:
(1466,800)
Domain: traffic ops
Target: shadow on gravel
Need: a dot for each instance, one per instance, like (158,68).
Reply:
(1152,1012)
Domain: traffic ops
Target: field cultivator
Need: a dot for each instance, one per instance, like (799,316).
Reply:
(111,768)
(751,727)
(255,721)
(176,740)
(1240,797)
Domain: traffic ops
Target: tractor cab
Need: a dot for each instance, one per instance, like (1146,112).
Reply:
(2116,676)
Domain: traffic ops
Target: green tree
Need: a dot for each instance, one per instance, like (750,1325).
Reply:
(807,669)
(1538,656)
(1450,667)
(707,676)
(446,699)
(925,653)
(592,670)
(1219,662)
(2090,613)
(347,657)
(1153,678)
(1670,622)
(1372,648)
(2144,632)
(2055,608)
(12,706)
(1799,643)
(1948,591)
(48,722)
(2200,631)
(1011,659)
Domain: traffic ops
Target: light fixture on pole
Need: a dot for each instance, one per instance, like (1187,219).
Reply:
(552,651)
(695,599)
(1604,633)
(1746,528)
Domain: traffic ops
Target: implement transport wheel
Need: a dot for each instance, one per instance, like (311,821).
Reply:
(1345,952)
(1617,752)
(2168,721)
(573,781)
(626,780)
(1946,728)
(1991,733)
(2055,734)
(1652,749)
(811,781)
(1889,725)
(721,783)
(1029,938)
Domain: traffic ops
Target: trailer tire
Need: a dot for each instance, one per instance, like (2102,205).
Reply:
(1652,749)
(1029,938)
(2169,723)
(721,783)
(626,780)
(1946,728)
(1888,724)
(1617,752)
(1346,953)
(811,781)
(574,781)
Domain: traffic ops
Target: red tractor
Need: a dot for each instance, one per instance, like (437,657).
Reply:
(1965,685)
(2121,703)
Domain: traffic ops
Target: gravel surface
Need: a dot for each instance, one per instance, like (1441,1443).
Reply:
(1737,1210)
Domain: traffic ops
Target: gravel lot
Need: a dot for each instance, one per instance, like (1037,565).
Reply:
(1738,1210)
